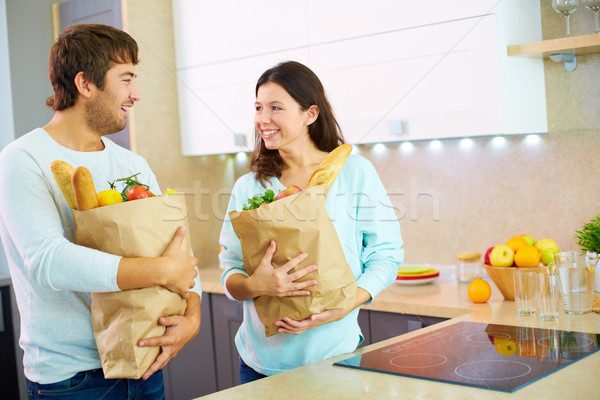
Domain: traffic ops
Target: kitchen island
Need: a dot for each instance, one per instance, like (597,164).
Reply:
(443,298)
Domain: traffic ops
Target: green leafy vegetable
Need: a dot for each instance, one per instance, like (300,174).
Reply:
(257,201)
(589,237)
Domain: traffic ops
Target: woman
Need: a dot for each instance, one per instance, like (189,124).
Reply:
(295,130)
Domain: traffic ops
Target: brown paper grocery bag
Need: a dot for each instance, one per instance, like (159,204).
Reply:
(139,228)
(298,223)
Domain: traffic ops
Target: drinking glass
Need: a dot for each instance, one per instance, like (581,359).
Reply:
(593,5)
(565,7)
(525,297)
(548,296)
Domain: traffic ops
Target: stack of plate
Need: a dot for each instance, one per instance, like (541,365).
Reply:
(416,274)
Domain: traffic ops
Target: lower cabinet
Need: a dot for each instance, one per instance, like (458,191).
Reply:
(227,318)
(210,362)
(385,325)
(192,373)
(9,380)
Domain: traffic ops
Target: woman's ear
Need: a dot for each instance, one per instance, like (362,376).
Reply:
(83,85)
(312,113)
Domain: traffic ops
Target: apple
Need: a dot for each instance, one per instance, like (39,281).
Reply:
(529,239)
(547,256)
(502,256)
(486,257)
(544,244)
(290,190)
(504,346)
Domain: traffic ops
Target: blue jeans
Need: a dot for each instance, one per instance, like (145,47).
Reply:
(91,384)
(247,374)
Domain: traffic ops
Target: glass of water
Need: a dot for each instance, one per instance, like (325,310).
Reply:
(576,279)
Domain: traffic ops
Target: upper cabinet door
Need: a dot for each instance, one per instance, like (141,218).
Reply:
(435,81)
(334,20)
(394,70)
(208,32)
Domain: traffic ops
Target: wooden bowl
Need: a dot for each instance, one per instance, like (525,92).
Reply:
(503,279)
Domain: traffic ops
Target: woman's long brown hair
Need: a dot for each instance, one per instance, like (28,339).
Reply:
(305,87)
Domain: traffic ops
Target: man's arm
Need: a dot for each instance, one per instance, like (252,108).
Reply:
(174,270)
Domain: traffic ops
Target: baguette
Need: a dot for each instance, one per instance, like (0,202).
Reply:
(83,187)
(63,172)
(330,167)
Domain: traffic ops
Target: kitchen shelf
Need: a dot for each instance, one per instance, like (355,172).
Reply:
(584,44)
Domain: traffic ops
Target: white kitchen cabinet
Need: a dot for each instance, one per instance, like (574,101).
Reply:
(394,70)
(216,103)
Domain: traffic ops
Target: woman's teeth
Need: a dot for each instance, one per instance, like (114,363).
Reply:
(271,132)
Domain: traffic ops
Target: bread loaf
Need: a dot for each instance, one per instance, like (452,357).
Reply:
(83,187)
(63,173)
(331,166)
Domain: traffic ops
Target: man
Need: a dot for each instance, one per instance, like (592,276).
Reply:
(92,70)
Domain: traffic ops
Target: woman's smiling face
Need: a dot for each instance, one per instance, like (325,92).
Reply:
(279,118)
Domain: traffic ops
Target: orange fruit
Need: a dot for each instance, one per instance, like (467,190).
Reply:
(528,256)
(479,291)
(516,242)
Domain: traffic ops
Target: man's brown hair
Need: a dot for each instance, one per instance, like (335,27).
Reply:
(88,48)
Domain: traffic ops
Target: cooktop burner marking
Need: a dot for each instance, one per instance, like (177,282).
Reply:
(552,341)
(418,360)
(415,342)
(489,370)
(479,338)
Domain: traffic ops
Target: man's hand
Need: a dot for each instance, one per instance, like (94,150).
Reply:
(180,268)
(180,330)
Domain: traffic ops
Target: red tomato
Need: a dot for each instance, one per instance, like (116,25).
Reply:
(137,192)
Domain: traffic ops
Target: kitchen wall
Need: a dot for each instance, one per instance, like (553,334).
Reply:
(448,200)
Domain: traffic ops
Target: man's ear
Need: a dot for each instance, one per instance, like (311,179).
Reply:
(84,86)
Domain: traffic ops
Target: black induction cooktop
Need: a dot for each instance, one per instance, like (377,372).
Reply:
(489,356)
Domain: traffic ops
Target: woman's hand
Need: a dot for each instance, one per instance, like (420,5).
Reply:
(279,282)
(288,325)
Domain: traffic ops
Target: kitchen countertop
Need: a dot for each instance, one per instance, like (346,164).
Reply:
(443,298)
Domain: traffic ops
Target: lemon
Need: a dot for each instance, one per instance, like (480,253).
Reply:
(169,191)
(108,197)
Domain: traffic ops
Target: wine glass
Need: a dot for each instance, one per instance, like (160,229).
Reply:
(593,5)
(565,7)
